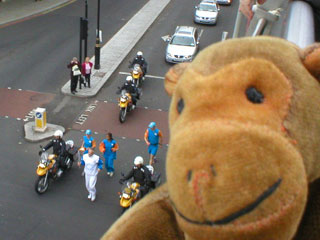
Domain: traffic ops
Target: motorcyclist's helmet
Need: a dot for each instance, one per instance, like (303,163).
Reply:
(70,143)
(129,79)
(139,54)
(88,132)
(58,133)
(150,168)
(152,125)
(138,160)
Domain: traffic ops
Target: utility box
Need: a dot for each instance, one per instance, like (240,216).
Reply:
(40,117)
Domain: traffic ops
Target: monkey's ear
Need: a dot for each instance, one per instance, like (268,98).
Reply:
(311,59)
(172,77)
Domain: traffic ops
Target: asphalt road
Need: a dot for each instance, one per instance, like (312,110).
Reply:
(64,212)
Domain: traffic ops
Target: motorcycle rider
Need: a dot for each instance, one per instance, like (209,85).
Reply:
(140,174)
(139,59)
(59,149)
(132,89)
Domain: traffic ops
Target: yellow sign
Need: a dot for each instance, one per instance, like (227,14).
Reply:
(40,119)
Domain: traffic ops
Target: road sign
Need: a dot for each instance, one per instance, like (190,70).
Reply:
(40,120)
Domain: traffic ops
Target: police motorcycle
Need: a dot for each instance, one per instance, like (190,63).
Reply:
(125,104)
(137,75)
(47,169)
(129,195)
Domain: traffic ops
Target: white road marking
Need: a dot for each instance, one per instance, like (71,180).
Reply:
(200,34)
(105,101)
(9,87)
(145,107)
(64,101)
(148,76)
(138,140)
(164,38)
(160,110)
(19,89)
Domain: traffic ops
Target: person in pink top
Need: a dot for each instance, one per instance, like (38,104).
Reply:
(86,70)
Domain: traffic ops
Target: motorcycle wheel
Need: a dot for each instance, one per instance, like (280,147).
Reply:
(69,163)
(122,115)
(123,210)
(40,187)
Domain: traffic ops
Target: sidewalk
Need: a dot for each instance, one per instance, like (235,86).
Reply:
(15,10)
(119,46)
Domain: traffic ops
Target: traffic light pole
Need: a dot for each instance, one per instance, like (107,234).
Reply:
(86,39)
(81,35)
(97,48)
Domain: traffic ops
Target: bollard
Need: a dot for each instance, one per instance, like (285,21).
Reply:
(40,120)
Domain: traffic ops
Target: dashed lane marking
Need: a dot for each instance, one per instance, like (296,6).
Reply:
(148,76)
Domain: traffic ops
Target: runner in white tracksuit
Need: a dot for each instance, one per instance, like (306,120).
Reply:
(92,166)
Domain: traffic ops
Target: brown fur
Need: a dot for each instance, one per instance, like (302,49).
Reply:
(226,152)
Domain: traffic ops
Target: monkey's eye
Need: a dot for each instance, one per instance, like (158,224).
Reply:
(180,105)
(254,95)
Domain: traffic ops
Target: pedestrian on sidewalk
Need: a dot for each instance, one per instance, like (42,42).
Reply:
(109,148)
(92,166)
(86,70)
(153,138)
(75,73)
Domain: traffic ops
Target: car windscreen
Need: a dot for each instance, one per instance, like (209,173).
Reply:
(208,7)
(183,40)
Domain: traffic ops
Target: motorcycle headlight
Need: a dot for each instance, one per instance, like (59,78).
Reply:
(41,165)
(126,196)
(123,100)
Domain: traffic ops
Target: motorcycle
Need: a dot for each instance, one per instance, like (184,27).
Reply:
(125,104)
(137,75)
(47,170)
(129,195)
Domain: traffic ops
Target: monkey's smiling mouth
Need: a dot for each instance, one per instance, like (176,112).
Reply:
(233,216)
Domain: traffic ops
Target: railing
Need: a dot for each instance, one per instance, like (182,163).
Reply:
(290,20)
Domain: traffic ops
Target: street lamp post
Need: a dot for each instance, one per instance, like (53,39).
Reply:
(97,48)
(86,39)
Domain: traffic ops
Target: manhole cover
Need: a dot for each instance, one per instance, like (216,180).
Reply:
(99,74)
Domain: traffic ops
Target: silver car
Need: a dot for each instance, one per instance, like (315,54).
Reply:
(206,12)
(224,2)
(183,45)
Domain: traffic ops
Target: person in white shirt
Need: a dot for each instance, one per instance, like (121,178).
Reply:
(92,166)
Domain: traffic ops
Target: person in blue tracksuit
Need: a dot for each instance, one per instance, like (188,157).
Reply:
(153,138)
(87,142)
(109,148)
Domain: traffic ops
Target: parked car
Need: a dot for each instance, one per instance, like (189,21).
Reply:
(206,12)
(224,2)
(183,45)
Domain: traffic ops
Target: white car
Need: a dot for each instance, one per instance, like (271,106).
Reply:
(183,45)
(206,12)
